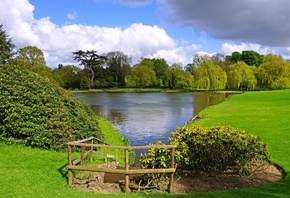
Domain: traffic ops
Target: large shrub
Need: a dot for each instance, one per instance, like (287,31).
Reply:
(218,148)
(213,150)
(36,112)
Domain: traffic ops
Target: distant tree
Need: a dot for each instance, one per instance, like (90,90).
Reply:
(199,59)
(141,76)
(252,58)
(6,46)
(33,58)
(84,83)
(218,58)
(209,76)
(118,66)
(68,76)
(90,60)
(160,66)
(31,55)
(176,77)
(235,57)
(274,73)
(241,76)
(189,68)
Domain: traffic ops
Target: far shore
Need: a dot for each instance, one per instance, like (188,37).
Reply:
(153,90)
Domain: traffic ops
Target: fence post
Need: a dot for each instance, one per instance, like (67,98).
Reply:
(82,155)
(69,163)
(91,152)
(127,180)
(171,187)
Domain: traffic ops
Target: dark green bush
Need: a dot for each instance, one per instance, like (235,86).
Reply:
(218,148)
(36,112)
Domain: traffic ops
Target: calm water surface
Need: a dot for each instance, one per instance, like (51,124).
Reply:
(145,118)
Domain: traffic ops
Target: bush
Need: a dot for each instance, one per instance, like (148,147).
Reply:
(85,83)
(156,158)
(36,112)
(218,148)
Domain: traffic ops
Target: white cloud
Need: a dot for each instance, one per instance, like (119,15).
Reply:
(229,48)
(72,16)
(58,42)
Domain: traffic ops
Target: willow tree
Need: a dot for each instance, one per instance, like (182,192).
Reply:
(176,77)
(240,76)
(209,76)
(274,73)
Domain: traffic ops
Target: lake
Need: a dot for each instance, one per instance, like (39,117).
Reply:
(145,118)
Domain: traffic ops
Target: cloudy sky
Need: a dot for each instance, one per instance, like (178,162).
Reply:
(170,29)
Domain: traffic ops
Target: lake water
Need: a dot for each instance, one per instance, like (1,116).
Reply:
(145,118)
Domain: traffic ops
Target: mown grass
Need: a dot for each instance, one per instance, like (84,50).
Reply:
(27,172)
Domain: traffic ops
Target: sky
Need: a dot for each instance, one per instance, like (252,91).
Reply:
(175,30)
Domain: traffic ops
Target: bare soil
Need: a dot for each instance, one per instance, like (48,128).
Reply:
(184,183)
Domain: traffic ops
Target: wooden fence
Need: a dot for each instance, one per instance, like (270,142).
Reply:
(73,164)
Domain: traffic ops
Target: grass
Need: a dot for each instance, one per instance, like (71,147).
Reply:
(27,172)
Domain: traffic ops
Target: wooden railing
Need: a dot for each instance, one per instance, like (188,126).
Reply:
(72,164)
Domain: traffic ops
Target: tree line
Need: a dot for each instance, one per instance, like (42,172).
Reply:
(247,70)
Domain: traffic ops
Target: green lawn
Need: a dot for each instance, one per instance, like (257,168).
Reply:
(26,172)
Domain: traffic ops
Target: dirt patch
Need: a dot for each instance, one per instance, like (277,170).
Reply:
(184,183)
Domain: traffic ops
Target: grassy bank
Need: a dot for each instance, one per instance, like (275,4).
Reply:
(26,172)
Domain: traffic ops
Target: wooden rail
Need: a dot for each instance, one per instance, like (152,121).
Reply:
(72,164)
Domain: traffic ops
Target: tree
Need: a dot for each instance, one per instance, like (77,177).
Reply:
(68,76)
(209,76)
(176,77)
(6,46)
(274,73)
(90,60)
(141,76)
(160,66)
(189,68)
(118,66)
(235,57)
(240,76)
(252,58)
(31,55)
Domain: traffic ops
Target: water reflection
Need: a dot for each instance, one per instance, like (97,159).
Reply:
(148,117)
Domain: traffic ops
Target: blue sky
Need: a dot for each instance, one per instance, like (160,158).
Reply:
(170,29)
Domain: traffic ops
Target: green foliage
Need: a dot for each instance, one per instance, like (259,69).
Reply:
(141,76)
(68,76)
(250,57)
(156,158)
(175,77)
(209,76)
(85,83)
(241,76)
(218,148)
(38,113)
(6,46)
(31,55)
(118,67)
(273,71)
